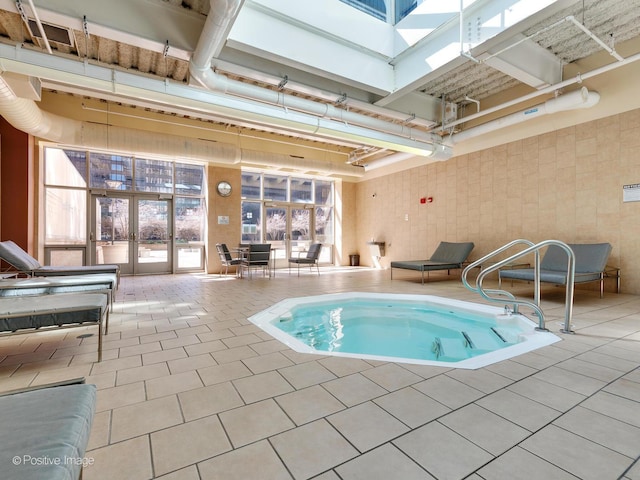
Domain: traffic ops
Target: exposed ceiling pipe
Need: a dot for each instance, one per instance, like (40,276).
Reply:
(543,91)
(303,89)
(25,115)
(40,27)
(200,69)
(582,98)
(222,14)
(388,160)
(578,99)
(440,152)
(25,19)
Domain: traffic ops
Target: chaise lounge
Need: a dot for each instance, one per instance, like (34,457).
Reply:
(27,314)
(11,253)
(448,256)
(590,266)
(15,287)
(45,430)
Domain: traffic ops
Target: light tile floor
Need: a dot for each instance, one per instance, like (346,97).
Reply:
(189,389)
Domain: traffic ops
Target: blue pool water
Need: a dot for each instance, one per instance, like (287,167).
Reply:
(408,328)
(396,329)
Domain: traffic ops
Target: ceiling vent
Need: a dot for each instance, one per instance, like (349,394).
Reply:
(23,86)
(54,33)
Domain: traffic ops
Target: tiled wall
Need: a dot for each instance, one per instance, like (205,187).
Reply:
(565,185)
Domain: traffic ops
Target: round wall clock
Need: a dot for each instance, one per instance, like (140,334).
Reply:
(224,189)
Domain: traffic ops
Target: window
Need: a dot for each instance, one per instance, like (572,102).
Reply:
(301,190)
(190,217)
(251,222)
(251,186)
(65,177)
(154,176)
(266,217)
(66,168)
(66,214)
(391,11)
(111,172)
(375,8)
(275,188)
(69,177)
(189,179)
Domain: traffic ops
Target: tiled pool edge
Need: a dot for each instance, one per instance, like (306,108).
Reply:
(533,341)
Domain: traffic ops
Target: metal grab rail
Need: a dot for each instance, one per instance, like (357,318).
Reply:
(535,249)
(478,263)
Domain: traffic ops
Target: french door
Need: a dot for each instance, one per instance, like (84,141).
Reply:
(288,230)
(134,231)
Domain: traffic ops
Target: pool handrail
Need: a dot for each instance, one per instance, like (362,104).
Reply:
(535,249)
(478,264)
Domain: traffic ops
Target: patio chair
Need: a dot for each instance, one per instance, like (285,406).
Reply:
(311,258)
(226,259)
(448,256)
(14,255)
(258,255)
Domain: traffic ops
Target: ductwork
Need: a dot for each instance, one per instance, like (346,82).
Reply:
(25,115)
(222,14)
(402,137)
(582,98)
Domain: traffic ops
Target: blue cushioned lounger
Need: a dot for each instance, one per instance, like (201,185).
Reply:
(448,256)
(14,287)
(11,253)
(590,265)
(45,431)
(28,313)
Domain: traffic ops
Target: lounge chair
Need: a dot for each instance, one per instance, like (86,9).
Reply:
(311,258)
(11,253)
(590,266)
(14,287)
(45,430)
(257,256)
(226,260)
(29,314)
(448,256)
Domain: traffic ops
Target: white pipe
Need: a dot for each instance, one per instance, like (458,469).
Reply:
(222,14)
(330,96)
(578,99)
(543,91)
(201,72)
(25,115)
(221,83)
(40,27)
(591,35)
(389,160)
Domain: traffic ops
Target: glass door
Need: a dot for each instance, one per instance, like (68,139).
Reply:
(111,235)
(288,230)
(133,232)
(152,236)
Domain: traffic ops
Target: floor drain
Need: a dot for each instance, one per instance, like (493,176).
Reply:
(85,335)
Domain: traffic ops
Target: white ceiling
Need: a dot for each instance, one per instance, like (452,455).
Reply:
(324,51)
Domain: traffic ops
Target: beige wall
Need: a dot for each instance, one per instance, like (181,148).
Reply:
(565,185)
(222,206)
(346,233)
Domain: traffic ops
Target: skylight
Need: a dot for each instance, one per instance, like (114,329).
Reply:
(381,9)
